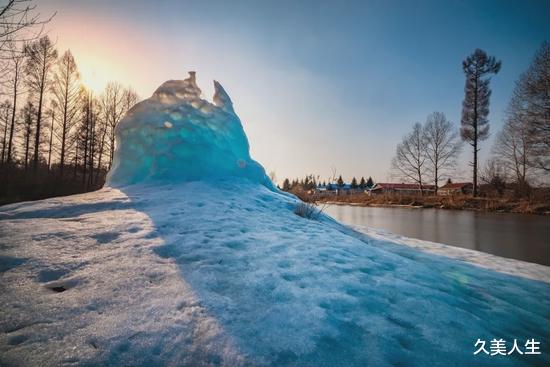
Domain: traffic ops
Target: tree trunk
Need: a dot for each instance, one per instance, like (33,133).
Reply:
(14,110)
(51,141)
(86,138)
(475,136)
(64,132)
(92,146)
(436,178)
(75,162)
(27,142)
(112,154)
(4,138)
(420,182)
(39,116)
(101,148)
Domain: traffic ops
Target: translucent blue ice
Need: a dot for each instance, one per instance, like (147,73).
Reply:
(177,136)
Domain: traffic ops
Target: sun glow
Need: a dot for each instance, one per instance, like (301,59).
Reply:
(95,74)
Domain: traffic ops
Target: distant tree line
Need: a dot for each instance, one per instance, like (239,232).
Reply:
(311,182)
(56,136)
(521,149)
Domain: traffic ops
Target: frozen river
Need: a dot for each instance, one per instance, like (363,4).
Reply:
(517,236)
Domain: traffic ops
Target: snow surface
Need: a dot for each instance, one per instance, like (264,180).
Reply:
(497,263)
(176,270)
(194,273)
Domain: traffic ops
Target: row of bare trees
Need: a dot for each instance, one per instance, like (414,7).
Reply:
(60,122)
(428,152)
(521,150)
(52,128)
(522,147)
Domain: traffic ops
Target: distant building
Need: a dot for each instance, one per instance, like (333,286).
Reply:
(453,188)
(334,189)
(401,188)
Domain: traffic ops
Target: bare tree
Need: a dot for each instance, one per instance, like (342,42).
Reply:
(91,121)
(51,114)
(76,138)
(41,56)
(96,126)
(475,107)
(84,132)
(119,102)
(81,136)
(88,137)
(493,167)
(513,146)
(129,99)
(523,144)
(28,114)
(5,109)
(532,95)
(410,157)
(112,110)
(67,93)
(15,65)
(495,175)
(16,18)
(442,145)
(20,23)
(101,131)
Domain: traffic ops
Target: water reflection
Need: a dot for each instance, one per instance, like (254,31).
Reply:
(518,236)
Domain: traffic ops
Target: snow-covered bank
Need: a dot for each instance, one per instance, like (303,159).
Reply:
(81,286)
(195,259)
(483,259)
(201,274)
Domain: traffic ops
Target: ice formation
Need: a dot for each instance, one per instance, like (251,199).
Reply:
(175,135)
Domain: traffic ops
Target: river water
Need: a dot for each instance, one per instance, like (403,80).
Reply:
(518,236)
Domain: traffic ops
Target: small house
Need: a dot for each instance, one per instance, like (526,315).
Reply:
(401,189)
(334,189)
(456,188)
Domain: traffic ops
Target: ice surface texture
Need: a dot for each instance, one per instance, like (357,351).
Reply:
(176,136)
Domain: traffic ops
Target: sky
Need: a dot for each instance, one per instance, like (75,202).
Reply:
(321,87)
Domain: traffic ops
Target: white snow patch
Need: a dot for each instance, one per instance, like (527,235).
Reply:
(489,261)
(71,297)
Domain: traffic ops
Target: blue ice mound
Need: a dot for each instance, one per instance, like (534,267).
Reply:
(177,136)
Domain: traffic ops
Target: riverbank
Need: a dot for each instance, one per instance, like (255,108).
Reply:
(512,266)
(539,205)
(515,236)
